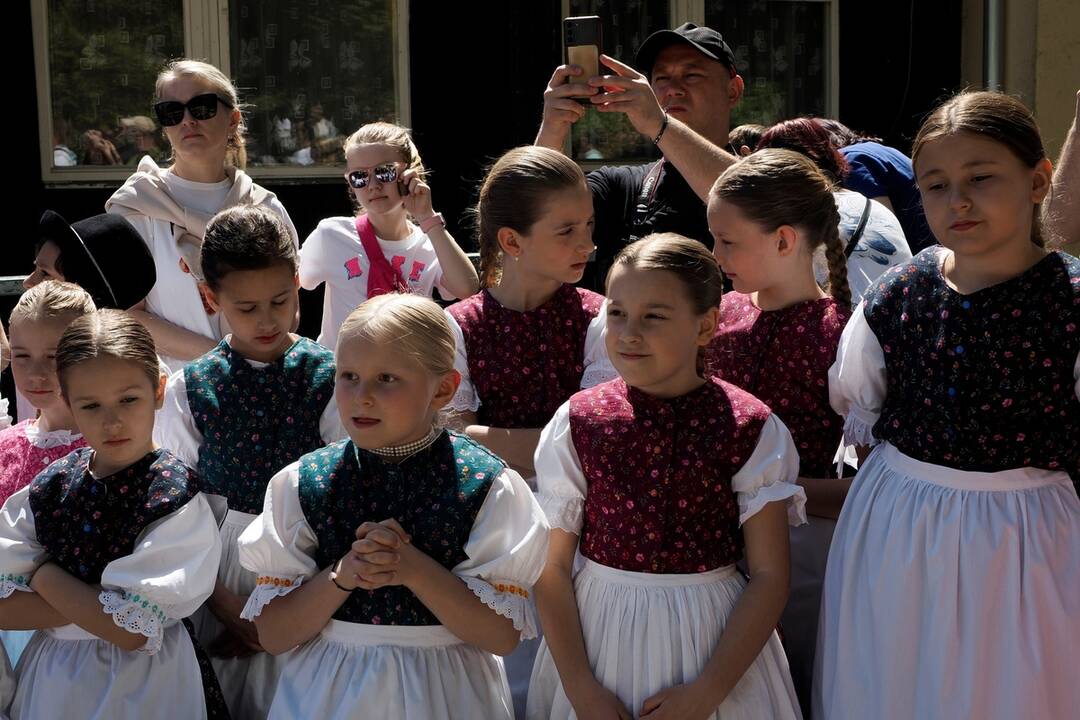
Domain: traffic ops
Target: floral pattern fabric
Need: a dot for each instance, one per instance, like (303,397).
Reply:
(524,365)
(84,523)
(21,459)
(983,381)
(435,495)
(783,357)
(659,472)
(255,421)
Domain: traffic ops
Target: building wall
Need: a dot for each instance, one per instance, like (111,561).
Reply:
(1057,63)
(1042,59)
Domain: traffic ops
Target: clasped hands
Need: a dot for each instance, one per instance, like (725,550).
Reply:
(381,555)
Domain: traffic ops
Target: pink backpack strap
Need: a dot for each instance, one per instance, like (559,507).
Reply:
(382,276)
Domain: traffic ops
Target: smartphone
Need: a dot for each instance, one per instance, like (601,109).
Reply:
(582,38)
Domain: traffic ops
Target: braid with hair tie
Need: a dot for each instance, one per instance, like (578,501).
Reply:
(837,259)
(490,262)
(775,187)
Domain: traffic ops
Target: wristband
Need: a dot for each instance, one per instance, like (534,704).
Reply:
(663,127)
(431,223)
(333,578)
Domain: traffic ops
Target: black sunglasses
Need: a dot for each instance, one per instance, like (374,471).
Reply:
(383,173)
(201,107)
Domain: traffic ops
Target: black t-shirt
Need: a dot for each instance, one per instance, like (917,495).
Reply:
(616,191)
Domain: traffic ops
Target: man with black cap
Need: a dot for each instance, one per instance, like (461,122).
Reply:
(683,104)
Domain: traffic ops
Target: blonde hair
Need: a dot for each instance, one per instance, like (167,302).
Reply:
(111,333)
(52,299)
(416,326)
(236,154)
(397,137)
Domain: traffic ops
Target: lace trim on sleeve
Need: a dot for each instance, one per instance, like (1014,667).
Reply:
(268,587)
(508,600)
(136,614)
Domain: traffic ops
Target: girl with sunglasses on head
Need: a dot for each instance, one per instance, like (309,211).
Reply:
(396,243)
(199,111)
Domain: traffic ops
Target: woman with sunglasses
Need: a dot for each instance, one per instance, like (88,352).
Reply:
(396,242)
(198,108)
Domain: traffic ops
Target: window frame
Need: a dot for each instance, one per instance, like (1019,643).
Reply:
(206,36)
(684,11)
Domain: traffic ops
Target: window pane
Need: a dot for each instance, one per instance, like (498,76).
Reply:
(780,51)
(312,71)
(610,136)
(104,56)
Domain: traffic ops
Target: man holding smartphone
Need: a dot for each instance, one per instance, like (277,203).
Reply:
(683,104)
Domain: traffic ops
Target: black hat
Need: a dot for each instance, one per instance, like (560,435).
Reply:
(102,254)
(705,40)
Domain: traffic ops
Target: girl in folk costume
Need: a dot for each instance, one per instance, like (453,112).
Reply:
(530,339)
(200,112)
(951,588)
(396,243)
(398,563)
(37,322)
(109,548)
(255,403)
(777,337)
(665,477)
(28,447)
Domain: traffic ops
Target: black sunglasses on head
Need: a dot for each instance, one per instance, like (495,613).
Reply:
(201,107)
(386,173)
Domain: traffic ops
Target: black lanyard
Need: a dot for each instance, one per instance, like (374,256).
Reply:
(649,187)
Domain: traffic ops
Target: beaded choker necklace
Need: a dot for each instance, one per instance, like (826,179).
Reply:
(400,452)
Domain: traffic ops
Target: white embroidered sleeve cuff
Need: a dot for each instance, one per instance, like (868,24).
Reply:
(751,504)
(136,614)
(859,427)
(268,587)
(563,513)
(10,582)
(509,600)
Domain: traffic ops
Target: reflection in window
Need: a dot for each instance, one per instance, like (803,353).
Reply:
(780,51)
(312,72)
(609,137)
(104,56)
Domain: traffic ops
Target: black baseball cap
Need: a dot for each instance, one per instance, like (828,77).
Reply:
(104,255)
(705,40)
